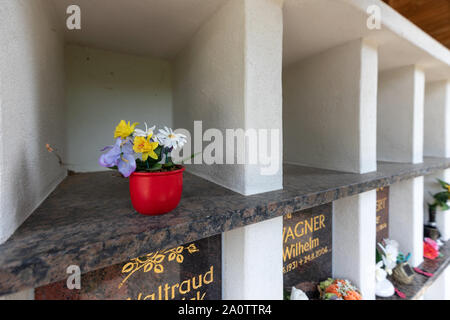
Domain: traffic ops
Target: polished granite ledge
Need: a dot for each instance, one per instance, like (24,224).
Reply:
(89,221)
(421,283)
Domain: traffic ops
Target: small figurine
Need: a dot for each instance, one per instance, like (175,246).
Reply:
(383,287)
(403,273)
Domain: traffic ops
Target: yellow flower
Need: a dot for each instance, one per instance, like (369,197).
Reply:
(146,147)
(124,130)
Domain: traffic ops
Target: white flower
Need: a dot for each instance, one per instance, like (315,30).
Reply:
(141,133)
(170,139)
(380,273)
(390,242)
(390,255)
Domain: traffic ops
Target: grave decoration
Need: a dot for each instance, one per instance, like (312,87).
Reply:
(430,249)
(390,261)
(338,289)
(155,181)
(438,213)
(386,261)
(297,294)
(307,249)
(403,273)
(187,272)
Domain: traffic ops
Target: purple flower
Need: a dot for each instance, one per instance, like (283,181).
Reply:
(120,155)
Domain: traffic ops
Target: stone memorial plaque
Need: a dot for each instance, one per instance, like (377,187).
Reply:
(187,272)
(307,244)
(382,213)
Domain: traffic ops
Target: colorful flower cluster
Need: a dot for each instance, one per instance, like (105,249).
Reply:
(338,289)
(430,249)
(154,150)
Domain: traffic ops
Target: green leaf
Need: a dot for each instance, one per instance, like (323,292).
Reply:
(378,256)
(443,184)
(154,167)
(190,157)
(441,197)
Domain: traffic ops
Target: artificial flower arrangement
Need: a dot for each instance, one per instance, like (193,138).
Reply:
(338,289)
(387,253)
(430,249)
(390,261)
(431,229)
(386,260)
(155,180)
(441,198)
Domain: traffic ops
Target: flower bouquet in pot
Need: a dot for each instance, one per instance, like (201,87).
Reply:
(438,225)
(156,182)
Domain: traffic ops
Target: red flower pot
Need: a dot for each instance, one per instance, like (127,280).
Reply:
(156,193)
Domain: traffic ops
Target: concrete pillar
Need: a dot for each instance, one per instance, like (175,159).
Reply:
(253,262)
(400,139)
(437,119)
(354,233)
(400,115)
(406,217)
(229,77)
(329,109)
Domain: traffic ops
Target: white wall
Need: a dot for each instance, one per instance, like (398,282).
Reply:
(104,87)
(229,77)
(31,104)
(437,119)
(329,109)
(400,115)
(209,79)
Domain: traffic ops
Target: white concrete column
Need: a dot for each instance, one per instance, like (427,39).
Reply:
(437,119)
(329,109)
(229,77)
(253,262)
(400,139)
(406,217)
(354,233)
(400,115)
